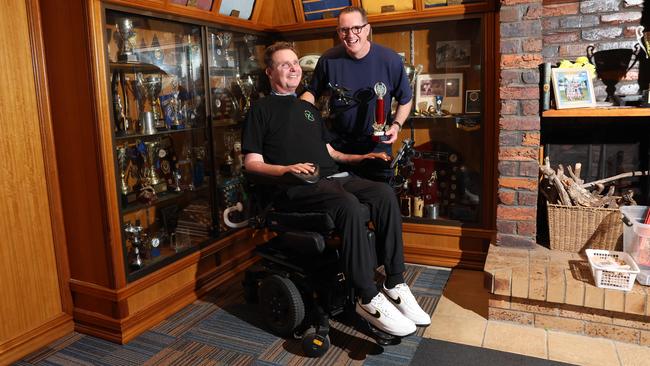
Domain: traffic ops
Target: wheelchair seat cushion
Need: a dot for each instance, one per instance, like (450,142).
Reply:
(319,222)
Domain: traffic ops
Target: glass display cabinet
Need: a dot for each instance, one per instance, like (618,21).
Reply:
(235,79)
(160,137)
(442,182)
(176,115)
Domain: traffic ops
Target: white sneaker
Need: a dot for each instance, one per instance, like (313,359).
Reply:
(383,315)
(405,302)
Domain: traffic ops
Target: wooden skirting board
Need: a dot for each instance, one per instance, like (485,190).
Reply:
(23,344)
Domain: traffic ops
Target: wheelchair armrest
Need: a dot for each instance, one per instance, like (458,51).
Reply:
(286,179)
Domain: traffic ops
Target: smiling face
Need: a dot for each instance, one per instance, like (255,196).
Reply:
(356,45)
(285,71)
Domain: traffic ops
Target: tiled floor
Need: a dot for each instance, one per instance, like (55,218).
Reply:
(461,317)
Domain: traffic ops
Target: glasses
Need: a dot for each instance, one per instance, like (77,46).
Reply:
(355,30)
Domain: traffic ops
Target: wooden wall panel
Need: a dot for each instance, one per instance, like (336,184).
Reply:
(76,140)
(33,312)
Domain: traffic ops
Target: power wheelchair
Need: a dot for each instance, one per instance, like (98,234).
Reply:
(299,283)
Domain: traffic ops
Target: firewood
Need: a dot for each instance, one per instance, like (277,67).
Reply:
(575,177)
(555,180)
(577,171)
(615,177)
(579,195)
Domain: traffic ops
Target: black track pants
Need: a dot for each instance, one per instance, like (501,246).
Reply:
(343,199)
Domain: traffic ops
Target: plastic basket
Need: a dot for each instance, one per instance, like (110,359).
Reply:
(575,228)
(611,277)
(636,240)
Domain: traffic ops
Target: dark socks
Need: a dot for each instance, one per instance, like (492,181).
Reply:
(393,280)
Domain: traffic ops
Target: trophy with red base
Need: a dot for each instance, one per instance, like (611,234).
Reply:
(379,127)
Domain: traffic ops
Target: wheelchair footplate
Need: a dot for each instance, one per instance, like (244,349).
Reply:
(382,338)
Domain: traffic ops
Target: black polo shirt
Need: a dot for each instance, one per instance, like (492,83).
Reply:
(286,130)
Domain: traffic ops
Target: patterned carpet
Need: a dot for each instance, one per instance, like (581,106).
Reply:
(221,329)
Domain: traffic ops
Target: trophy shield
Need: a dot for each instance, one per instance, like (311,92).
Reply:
(125,35)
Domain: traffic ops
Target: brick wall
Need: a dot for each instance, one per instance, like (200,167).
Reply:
(532,33)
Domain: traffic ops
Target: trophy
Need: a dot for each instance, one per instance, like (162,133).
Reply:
(612,66)
(643,39)
(438,108)
(150,88)
(226,38)
(125,35)
(122,164)
(151,173)
(135,236)
(379,127)
(250,64)
(247,86)
(184,173)
(175,104)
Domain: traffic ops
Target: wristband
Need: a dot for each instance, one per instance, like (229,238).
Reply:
(399,125)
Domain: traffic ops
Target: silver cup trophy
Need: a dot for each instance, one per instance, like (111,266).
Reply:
(125,35)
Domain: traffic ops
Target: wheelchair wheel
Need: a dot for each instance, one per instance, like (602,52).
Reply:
(281,305)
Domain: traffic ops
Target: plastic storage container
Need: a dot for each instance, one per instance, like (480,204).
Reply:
(612,276)
(636,239)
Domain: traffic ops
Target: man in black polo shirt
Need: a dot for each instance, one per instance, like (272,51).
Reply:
(285,134)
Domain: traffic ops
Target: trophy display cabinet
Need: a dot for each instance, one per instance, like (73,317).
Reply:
(148,111)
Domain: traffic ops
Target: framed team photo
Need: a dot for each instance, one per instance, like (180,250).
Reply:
(573,88)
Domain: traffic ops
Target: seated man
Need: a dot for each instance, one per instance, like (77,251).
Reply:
(285,134)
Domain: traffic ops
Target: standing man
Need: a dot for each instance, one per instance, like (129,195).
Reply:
(358,65)
(283,134)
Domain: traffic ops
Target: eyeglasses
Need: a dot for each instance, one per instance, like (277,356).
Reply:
(355,30)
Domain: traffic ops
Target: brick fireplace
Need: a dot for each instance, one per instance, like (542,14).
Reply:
(533,32)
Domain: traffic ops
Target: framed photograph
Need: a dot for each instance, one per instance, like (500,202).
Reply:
(573,88)
(453,54)
(449,86)
(472,101)
(201,4)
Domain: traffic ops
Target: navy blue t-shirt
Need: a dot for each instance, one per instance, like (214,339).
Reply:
(352,128)
(286,130)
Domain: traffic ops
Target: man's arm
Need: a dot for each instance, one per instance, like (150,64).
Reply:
(308,97)
(401,115)
(340,157)
(255,163)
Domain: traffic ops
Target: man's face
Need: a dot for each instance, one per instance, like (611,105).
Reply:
(349,23)
(285,73)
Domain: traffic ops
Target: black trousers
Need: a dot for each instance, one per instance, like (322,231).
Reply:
(343,199)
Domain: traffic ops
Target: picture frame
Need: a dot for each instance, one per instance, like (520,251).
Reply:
(472,101)
(573,88)
(200,4)
(453,54)
(449,86)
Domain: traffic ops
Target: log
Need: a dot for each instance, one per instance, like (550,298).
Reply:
(615,177)
(555,180)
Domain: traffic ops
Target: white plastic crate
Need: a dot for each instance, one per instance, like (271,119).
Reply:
(610,276)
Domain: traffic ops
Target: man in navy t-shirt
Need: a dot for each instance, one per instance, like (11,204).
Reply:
(283,134)
(358,65)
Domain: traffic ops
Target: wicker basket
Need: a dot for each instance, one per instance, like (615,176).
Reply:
(575,228)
